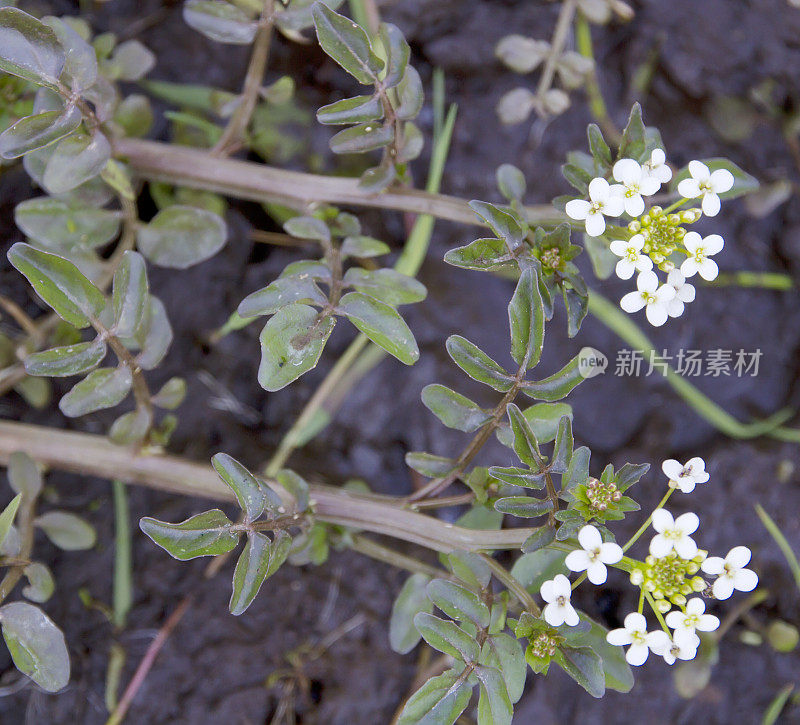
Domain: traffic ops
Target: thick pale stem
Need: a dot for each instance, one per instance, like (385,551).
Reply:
(197,169)
(94,455)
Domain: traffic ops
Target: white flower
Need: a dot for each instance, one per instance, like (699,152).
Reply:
(731,573)
(640,640)
(687,475)
(635,182)
(706,184)
(700,249)
(657,167)
(656,299)
(674,534)
(682,647)
(684,292)
(694,619)
(602,200)
(594,555)
(632,258)
(556,592)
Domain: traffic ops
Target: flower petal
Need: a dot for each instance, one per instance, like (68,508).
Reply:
(708,269)
(699,170)
(695,606)
(713,244)
(599,189)
(577,209)
(647,282)
(634,205)
(713,565)
(686,548)
(675,619)
(547,591)
(610,553)
(723,587)
(689,267)
(637,654)
(597,572)
(658,641)
(632,302)
(649,185)
(571,618)
(627,171)
(708,623)
(614,205)
(589,537)
(635,622)
(686,293)
(657,314)
(619,637)
(595,224)
(662,520)
(660,546)
(619,247)
(657,157)
(553,615)
(561,586)
(689,188)
(721,181)
(624,269)
(686,485)
(675,307)
(738,557)
(710,204)
(643,264)
(672,468)
(745,580)
(577,560)
(687,522)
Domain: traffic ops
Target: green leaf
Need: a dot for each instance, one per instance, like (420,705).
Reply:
(291,344)
(562,452)
(351,110)
(59,283)
(397,52)
(526,319)
(412,599)
(523,506)
(379,178)
(618,674)
(429,465)
(135,115)
(410,95)
(171,395)
(541,537)
(181,236)
(362,138)
(439,701)
(447,637)
(37,646)
(503,222)
(36,132)
(454,410)
(482,254)
(505,653)
(511,182)
(76,159)
(28,48)
(525,444)
(80,67)
(130,294)
(253,495)
(62,224)
(386,285)
(278,294)
(477,364)
(59,362)
(578,469)
(347,43)
(41,584)
(259,559)
(24,475)
(7,517)
(558,385)
(220,21)
(494,705)
(103,388)
(130,428)
(633,144)
(381,324)
(470,568)
(458,602)
(598,146)
(603,259)
(130,62)
(363,247)
(154,336)
(206,534)
(584,666)
(743,183)
(514,476)
(543,419)
(308,227)
(66,530)
(536,567)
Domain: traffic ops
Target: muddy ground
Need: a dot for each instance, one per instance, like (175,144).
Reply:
(214,667)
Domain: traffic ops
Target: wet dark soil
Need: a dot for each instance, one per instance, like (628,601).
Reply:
(214,667)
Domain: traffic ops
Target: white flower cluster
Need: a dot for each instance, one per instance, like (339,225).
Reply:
(673,538)
(656,235)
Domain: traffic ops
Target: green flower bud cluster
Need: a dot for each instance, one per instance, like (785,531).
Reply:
(663,233)
(669,579)
(601,495)
(542,645)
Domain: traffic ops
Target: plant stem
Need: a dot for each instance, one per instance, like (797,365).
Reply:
(560,34)
(373,550)
(513,585)
(95,455)
(233,136)
(197,169)
(123,578)
(24,522)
